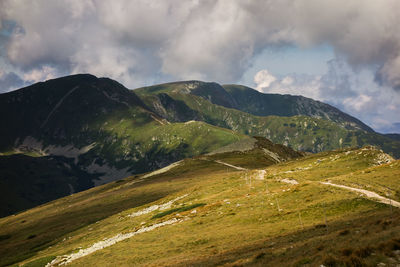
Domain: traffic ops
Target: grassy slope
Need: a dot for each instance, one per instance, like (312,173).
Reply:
(234,210)
(257,103)
(300,132)
(124,132)
(44,179)
(257,157)
(26,182)
(102,112)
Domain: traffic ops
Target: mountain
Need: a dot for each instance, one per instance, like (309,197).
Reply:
(204,176)
(90,131)
(94,125)
(26,182)
(394,136)
(260,104)
(312,126)
(193,213)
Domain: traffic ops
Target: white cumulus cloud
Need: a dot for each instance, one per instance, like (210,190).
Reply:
(263,80)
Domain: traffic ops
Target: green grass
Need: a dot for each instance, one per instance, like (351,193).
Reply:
(235,210)
(39,262)
(300,132)
(182,209)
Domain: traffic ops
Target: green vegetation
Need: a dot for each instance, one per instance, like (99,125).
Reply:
(87,131)
(39,262)
(271,199)
(90,131)
(256,103)
(26,182)
(312,125)
(182,209)
(276,222)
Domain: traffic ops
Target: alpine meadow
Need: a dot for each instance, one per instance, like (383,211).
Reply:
(199,133)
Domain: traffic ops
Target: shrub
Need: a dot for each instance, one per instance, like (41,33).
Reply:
(4,237)
(344,232)
(330,261)
(31,236)
(363,252)
(260,255)
(354,261)
(347,251)
(303,261)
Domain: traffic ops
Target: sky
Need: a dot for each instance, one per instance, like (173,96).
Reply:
(342,52)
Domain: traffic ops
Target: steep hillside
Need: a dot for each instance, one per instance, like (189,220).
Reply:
(98,122)
(260,104)
(256,152)
(300,132)
(26,181)
(394,136)
(98,127)
(194,212)
(251,101)
(104,132)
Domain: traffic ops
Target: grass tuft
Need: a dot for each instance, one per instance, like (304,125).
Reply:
(39,262)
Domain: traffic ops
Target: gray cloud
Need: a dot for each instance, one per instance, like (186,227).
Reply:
(140,42)
(354,92)
(209,39)
(212,40)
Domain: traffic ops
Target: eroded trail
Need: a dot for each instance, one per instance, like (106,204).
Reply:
(367,193)
(230,165)
(66,259)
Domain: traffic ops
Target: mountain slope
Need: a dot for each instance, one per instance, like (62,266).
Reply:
(99,127)
(82,116)
(306,133)
(194,212)
(26,181)
(260,104)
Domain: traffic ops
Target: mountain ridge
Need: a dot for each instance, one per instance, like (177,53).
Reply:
(301,132)
(256,103)
(99,127)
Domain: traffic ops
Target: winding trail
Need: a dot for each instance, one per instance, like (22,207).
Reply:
(66,259)
(367,193)
(230,165)
(152,208)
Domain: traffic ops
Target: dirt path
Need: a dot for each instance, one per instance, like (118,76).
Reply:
(162,170)
(230,165)
(65,259)
(367,193)
(152,208)
(159,171)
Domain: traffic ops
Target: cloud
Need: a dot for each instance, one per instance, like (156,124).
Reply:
(358,103)
(263,79)
(41,74)
(295,84)
(213,40)
(354,92)
(140,42)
